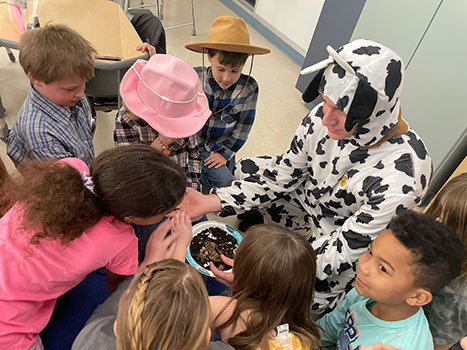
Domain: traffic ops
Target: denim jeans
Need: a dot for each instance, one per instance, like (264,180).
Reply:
(212,177)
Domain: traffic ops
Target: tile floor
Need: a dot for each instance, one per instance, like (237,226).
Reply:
(279,110)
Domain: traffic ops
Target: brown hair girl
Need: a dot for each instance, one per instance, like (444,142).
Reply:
(166,307)
(450,207)
(273,284)
(130,182)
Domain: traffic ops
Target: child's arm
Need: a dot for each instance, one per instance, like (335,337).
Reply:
(331,323)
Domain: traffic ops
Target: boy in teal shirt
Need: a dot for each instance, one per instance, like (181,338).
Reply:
(414,257)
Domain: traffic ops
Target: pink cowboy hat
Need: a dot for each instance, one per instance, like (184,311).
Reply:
(165,93)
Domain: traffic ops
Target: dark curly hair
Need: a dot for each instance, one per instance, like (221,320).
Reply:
(437,252)
(137,181)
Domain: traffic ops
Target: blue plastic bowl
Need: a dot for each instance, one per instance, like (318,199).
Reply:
(198,228)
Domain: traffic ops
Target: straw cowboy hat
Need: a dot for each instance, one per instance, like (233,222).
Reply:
(165,93)
(228,33)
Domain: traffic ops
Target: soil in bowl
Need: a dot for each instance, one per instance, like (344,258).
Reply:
(209,244)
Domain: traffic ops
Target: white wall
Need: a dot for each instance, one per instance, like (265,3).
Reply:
(295,19)
(434,96)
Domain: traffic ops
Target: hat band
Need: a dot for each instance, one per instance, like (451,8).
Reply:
(161,96)
(205,104)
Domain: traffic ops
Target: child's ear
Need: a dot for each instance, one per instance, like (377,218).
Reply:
(129,220)
(34,81)
(420,297)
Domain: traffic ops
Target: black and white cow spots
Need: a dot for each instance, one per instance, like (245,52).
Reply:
(348,197)
(417,145)
(423,180)
(356,240)
(367,50)
(404,164)
(358,156)
(249,167)
(380,113)
(393,78)
(373,185)
(339,71)
(364,218)
(342,102)
(379,165)
(320,113)
(407,189)
(319,147)
(296,146)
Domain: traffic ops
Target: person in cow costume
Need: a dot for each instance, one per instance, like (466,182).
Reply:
(353,163)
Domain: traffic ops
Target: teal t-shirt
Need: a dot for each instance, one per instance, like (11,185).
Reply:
(351,325)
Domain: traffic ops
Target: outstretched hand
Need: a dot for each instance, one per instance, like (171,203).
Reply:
(197,204)
(226,278)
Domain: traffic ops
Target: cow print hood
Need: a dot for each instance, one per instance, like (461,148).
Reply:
(364,79)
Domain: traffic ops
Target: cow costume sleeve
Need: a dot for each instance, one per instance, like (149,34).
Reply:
(340,192)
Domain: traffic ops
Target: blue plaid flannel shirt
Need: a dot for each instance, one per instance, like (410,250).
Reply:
(227,131)
(44,130)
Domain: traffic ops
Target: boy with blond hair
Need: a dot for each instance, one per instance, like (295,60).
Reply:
(413,258)
(53,121)
(232,97)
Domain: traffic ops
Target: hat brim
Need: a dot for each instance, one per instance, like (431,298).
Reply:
(173,127)
(240,48)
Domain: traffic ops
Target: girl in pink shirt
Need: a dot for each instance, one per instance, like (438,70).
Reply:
(68,221)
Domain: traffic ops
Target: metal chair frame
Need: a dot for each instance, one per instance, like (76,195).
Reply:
(159,4)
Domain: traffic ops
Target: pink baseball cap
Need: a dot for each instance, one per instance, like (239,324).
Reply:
(165,93)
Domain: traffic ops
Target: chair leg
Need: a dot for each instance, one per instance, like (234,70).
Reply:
(193,31)
(162,10)
(10,54)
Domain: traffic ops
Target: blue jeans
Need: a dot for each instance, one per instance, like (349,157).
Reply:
(211,177)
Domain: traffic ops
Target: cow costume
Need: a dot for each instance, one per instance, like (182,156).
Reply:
(340,193)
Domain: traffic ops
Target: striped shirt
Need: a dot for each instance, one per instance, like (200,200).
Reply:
(44,130)
(226,132)
(183,151)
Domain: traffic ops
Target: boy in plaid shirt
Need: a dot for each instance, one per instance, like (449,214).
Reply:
(232,98)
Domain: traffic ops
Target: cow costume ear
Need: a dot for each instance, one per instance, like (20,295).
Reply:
(312,90)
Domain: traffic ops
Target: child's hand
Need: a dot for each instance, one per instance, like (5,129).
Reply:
(147,47)
(181,228)
(160,246)
(226,278)
(215,160)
